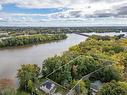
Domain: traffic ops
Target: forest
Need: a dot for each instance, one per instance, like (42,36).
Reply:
(30,39)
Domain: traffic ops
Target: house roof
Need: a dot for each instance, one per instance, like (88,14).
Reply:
(48,85)
(96,85)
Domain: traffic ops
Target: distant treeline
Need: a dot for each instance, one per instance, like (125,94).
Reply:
(40,30)
(30,39)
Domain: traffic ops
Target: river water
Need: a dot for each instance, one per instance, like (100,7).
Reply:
(12,58)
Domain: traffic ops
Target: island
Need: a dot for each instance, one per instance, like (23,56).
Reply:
(22,40)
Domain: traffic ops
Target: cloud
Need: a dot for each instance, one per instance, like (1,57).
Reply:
(1,19)
(37,3)
(60,3)
(108,1)
(73,10)
(80,8)
(83,7)
(122,10)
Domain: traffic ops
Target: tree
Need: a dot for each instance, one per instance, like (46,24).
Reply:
(113,88)
(80,88)
(63,75)
(83,66)
(107,74)
(30,86)
(27,75)
(125,65)
(75,70)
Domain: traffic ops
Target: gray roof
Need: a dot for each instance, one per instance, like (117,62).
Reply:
(48,85)
(96,85)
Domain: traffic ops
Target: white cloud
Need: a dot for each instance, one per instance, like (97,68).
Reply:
(1,19)
(86,7)
(76,4)
(38,3)
(77,10)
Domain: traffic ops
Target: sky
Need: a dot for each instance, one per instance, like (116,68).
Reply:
(54,13)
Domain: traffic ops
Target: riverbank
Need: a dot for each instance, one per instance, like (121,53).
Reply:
(15,41)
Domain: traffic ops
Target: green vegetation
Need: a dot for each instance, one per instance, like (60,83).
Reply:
(28,77)
(96,52)
(82,85)
(114,88)
(107,74)
(30,39)
(75,70)
(107,53)
(41,30)
(11,91)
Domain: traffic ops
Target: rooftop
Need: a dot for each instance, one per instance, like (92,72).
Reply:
(48,85)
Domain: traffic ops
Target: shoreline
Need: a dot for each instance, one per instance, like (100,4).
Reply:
(29,45)
(32,44)
(6,83)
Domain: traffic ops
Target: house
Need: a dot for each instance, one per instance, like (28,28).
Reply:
(95,86)
(48,87)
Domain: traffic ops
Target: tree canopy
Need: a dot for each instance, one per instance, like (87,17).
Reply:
(28,75)
(113,88)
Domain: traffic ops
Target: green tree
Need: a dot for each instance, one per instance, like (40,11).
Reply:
(113,88)
(107,74)
(79,88)
(83,66)
(30,39)
(28,75)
